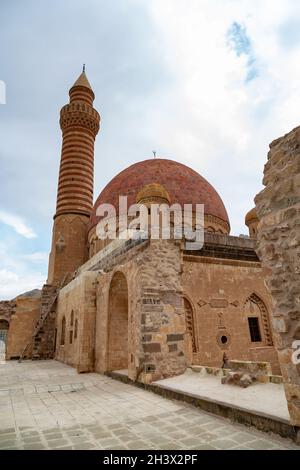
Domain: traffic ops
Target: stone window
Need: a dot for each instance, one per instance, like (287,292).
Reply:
(71,336)
(223,339)
(72,318)
(254,329)
(76,329)
(255,307)
(63,332)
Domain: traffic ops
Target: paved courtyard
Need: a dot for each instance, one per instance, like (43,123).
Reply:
(47,405)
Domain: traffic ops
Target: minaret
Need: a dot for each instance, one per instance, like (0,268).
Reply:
(79,123)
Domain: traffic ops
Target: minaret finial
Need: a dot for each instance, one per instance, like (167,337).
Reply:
(83,68)
(154,153)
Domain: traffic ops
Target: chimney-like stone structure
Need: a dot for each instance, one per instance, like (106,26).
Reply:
(251,221)
(278,210)
(79,123)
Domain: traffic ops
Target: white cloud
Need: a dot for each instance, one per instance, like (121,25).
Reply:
(13,284)
(20,272)
(17,223)
(213,118)
(172,82)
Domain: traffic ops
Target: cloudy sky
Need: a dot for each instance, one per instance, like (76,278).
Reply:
(209,83)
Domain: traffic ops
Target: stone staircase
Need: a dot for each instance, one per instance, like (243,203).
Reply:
(41,344)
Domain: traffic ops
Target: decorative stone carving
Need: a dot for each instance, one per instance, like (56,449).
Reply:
(218,303)
(60,244)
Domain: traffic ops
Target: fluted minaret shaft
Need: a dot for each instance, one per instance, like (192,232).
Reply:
(79,122)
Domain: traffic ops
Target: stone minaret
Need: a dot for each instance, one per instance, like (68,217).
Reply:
(79,123)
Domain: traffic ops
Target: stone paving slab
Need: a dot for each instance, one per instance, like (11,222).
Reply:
(47,405)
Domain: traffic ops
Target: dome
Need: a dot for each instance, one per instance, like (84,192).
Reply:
(182,184)
(152,192)
(251,216)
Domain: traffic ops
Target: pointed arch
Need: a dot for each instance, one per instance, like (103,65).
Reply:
(190,323)
(264,316)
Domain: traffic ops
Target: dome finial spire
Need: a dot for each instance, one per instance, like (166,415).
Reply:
(83,68)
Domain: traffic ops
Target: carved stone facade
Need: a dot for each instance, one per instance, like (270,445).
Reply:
(278,209)
(224,294)
(134,309)
(149,308)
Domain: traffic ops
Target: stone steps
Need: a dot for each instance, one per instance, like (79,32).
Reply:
(42,341)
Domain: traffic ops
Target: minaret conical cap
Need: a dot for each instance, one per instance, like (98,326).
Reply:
(82,81)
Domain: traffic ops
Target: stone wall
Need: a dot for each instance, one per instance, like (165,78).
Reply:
(158,308)
(278,209)
(156,325)
(221,295)
(7,308)
(115,320)
(76,304)
(22,324)
(161,327)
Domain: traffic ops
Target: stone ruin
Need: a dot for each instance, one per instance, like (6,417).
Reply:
(244,373)
(278,210)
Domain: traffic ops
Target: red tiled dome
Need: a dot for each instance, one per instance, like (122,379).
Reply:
(184,186)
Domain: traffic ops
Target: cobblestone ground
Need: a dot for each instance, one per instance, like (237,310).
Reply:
(47,405)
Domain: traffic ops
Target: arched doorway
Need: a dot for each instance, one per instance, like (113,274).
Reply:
(118,323)
(4,325)
(191,342)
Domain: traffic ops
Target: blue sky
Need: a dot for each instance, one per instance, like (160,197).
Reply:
(209,83)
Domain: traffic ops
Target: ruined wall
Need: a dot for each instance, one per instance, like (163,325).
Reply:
(7,308)
(278,209)
(22,326)
(162,322)
(218,291)
(76,303)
